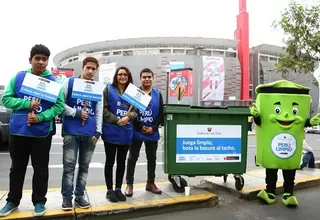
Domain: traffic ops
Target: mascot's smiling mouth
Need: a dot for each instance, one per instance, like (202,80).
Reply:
(285,123)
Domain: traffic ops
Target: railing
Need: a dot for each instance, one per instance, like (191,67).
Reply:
(226,103)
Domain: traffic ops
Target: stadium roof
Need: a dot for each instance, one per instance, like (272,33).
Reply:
(267,49)
(135,42)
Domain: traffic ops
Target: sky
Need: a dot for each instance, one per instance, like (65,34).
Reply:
(61,24)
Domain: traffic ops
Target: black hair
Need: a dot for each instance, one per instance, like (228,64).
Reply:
(90,60)
(115,79)
(146,70)
(39,49)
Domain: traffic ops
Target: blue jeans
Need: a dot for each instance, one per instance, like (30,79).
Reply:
(71,146)
(308,160)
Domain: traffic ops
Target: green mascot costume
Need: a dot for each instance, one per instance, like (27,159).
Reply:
(281,112)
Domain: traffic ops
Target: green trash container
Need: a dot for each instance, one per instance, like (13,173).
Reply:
(202,141)
(284,107)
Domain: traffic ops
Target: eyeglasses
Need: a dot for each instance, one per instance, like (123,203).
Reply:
(122,74)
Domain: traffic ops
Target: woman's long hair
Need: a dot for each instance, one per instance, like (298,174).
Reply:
(115,79)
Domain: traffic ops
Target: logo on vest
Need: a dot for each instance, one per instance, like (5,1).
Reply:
(121,113)
(284,145)
(122,104)
(146,116)
(33,99)
(80,105)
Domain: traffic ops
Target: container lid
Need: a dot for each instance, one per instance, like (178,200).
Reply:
(188,109)
(283,86)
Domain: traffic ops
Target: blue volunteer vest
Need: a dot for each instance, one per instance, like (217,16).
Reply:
(72,125)
(19,118)
(148,118)
(114,133)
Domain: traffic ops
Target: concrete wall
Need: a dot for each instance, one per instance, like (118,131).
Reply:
(271,75)
(159,63)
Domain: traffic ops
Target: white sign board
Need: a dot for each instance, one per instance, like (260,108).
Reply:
(208,143)
(106,72)
(87,90)
(41,88)
(136,97)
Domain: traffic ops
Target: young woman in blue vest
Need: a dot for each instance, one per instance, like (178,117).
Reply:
(117,131)
(31,129)
(79,139)
(146,130)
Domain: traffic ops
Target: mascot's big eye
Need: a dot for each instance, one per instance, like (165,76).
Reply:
(277,110)
(294,111)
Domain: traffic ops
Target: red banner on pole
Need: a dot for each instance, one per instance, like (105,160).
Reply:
(184,76)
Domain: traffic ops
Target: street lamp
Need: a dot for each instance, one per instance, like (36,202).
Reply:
(167,79)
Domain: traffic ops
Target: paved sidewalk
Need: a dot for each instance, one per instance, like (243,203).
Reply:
(101,206)
(254,181)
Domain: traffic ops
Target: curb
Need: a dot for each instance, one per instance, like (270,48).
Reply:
(250,193)
(140,207)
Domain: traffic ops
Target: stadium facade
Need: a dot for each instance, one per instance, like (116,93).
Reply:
(215,76)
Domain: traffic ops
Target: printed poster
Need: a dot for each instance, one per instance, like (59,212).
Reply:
(62,74)
(184,76)
(213,78)
(208,143)
(106,72)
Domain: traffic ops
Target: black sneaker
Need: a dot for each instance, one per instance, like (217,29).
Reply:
(111,195)
(120,195)
(81,202)
(67,204)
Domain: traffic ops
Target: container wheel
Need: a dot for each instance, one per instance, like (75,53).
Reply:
(179,189)
(170,178)
(225,177)
(239,182)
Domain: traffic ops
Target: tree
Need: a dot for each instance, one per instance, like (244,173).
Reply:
(301,28)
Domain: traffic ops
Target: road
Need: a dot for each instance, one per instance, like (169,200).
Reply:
(96,173)
(232,208)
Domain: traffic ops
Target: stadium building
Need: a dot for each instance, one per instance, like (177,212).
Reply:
(263,59)
(215,75)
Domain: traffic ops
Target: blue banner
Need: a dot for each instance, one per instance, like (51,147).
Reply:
(198,146)
(86,96)
(39,94)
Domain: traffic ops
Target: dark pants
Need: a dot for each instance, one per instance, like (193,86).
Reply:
(72,146)
(308,160)
(20,150)
(151,152)
(111,151)
(272,178)
(250,126)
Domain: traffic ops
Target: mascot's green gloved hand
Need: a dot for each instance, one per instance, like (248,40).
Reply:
(315,120)
(254,111)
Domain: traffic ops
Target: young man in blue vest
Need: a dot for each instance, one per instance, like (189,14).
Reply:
(79,138)
(146,131)
(31,130)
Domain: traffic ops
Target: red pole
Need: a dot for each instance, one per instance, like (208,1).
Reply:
(242,34)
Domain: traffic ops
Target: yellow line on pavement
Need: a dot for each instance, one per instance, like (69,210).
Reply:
(136,185)
(121,206)
(279,185)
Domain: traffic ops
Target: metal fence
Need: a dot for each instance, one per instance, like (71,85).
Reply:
(227,103)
